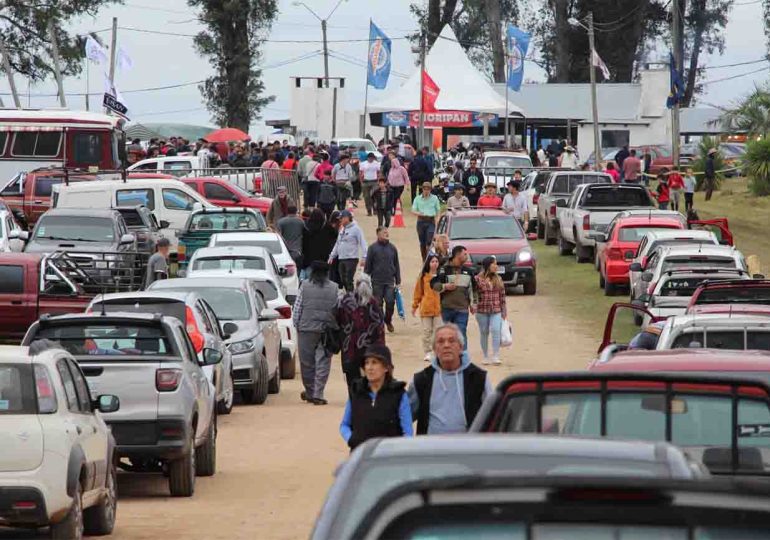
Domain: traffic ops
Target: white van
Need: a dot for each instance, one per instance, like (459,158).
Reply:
(195,167)
(170,200)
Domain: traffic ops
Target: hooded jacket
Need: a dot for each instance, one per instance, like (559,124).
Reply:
(448,401)
(397,176)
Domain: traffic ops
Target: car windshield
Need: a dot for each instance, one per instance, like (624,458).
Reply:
(228,303)
(132,217)
(615,196)
(17,389)
(230,221)
(635,234)
(735,295)
(698,262)
(75,229)
(228,263)
(273,246)
(683,286)
(171,308)
(508,162)
(366,143)
(481,228)
(677,242)
(735,340)
(108,338)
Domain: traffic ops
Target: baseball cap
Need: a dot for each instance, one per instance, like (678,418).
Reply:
(346,213)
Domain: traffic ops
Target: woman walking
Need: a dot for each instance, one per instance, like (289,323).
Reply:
(315,316)
(378,404)
(317,243)
(428,302)
(397,179)
(491,308)
(361,323)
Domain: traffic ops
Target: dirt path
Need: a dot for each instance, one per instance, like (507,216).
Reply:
(276,462)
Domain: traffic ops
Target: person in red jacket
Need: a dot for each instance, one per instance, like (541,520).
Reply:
(490,198)
(663,193)
(676,187)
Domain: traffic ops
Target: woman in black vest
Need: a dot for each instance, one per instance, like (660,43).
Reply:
(378,404)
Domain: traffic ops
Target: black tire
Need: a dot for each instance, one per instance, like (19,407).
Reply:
(596,259)
(638,318)
(582,254)
(540,230)
(530,287)
(206,454)
(601,279)
(71,527)
(257,394)
(288,366)
(550,238)
(181,473)
(565,248)
(274,386)
(609,288)
(99,520)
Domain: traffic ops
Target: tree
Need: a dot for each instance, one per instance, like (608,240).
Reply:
(751,116)
(25,32)
(705,23)
(235,30)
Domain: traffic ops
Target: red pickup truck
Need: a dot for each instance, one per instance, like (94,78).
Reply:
(25,295)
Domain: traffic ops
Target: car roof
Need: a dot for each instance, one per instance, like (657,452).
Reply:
(14,354)
(247,235)
(223,210)
(246,274)
(243,251)
(719,319)
(571,172)
(139,175)
(718,360)
(464,213)
(727,308)
(182,296)
(83,212)
(698,249)
(633,221)
(121,315)
(666,234)
(503,153)
(219,282)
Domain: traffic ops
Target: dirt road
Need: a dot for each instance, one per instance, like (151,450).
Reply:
(275,462)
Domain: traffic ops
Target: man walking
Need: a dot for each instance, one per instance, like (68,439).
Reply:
(446,396)
(426,207)
(279,207)
(291,228)
(473,179)
(157,264)
(342,176)
(455,285)
(620,157)
(369,171)
(515,203)
(710,173)
(419,172)
(350,245)
(302,171)
(632,168)
(383,267)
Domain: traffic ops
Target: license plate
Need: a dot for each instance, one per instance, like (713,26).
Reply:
(501,269)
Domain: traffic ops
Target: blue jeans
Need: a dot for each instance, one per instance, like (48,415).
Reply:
(425,230)
(460,318)
(490,323)
(663,206)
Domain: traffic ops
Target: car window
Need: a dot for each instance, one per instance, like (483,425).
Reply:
(267,289)
(84,396)
(87,148)
(215,191)
(115,340)
(11,279)
(642,245)
(36,143)
(187,345)
(225,221)
(75,228)
(69,386)
(273,246)
(204,318)
(17,389)
(615,197)
(176,166)
(636,234)
(476,228)
(3,141)
(135,197)
(229,304)
(132,217)
(152,166)
(679,261)
(175,199)
(259,300)
(44,185)
(228,263)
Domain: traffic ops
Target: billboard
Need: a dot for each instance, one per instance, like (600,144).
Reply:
(438,119)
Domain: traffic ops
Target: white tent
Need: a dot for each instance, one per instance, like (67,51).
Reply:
(462,87)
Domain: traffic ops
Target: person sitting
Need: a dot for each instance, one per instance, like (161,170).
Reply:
(490,198)
(648,338)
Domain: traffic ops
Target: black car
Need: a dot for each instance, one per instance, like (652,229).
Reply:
(142,223)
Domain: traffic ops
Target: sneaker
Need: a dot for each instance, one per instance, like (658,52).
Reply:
(427,357)
(390,327)
(320,401)
(485,361)
(496,360)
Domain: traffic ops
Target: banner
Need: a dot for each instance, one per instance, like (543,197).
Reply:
(123,60)
(676,92)
(597,61)
(378,62)
(430,92)
(517,43)
(95,52)
(438,119)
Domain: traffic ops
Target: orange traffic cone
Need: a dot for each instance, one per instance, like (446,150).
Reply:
(398,219)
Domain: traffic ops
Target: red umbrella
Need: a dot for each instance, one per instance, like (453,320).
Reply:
(227,135)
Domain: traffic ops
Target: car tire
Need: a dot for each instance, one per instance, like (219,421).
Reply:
(71,527)
(601,279)
(530,287)
(206,454)
(540,230)
(582,254)
(257,394)
(565,248)
(99,520)
(274,386)
(609,288)
(225,406)
(638,318)
(181,473)
(288,366)
(550,239)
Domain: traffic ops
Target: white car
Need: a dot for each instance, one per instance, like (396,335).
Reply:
(498,167)
(234,258)
(57,466)
(358,143)
(270,288)
(716,331)
(275,245)
(12,236)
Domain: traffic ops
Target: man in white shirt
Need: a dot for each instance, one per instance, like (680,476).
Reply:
(342,176)
(515,203)
(369,171)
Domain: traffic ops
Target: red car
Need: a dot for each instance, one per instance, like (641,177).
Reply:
(617,248)
(224,193)
(746,296)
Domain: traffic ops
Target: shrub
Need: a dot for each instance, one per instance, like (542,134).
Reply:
(706,144)
(756,165)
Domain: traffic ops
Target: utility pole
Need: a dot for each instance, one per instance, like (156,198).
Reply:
(113,53)
(56,69)
(678,7)
(9,72)
(326,54)
(421,124)
(594,104)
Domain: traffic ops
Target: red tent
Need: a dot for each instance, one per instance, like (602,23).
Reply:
(227,135)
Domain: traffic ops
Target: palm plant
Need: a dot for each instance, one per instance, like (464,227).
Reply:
(756,165)
(751,116)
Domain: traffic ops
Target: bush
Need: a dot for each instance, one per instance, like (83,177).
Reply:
(756,165)
(706,144)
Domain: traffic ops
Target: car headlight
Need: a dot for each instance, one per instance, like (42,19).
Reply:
(240,347)
(524,256)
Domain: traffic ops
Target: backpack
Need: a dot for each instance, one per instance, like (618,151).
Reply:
(326,194)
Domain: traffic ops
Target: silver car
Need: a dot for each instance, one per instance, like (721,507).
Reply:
(167,416)
(254,340)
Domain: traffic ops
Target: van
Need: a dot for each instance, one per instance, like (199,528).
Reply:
(170,200)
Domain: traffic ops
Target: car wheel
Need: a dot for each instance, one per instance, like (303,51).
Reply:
(549,236)
(530,287)
(274,386)
(226,405)
(582,254)
(596,259)
(609,288)
(71,527)
(288,365)
(181,473)
(257,394)
(206,454)
(540,230)
(638,318)
(99,520)
(565,248)
(601,279)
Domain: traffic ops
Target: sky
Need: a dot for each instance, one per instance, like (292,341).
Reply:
(293,49)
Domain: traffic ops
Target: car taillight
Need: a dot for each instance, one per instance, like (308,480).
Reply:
(535,198)
(552,211)
(180,252)
(24,505)
(615,254)
(193,331)
(167,380)
(284,312)
(587,222)
(291,269)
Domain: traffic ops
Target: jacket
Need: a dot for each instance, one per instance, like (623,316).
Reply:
(448,401)
(376,201)
(360,326)
(275,212)
(317,242)
(350,243)
(426,298)
(369,415)
(382,263)
(419,170)
(461,298)
(397,176)
(315,308)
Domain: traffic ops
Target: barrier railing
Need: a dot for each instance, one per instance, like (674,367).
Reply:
(252,179)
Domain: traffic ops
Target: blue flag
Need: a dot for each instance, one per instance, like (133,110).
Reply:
(517,43)
(378,61)
(676,92)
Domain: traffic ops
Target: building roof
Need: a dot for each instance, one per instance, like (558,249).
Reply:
(698,121)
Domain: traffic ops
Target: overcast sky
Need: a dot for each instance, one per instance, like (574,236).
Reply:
(164,60)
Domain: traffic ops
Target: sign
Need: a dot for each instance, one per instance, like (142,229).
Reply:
(114,105)
(438,119)
(517,43)
(378,61)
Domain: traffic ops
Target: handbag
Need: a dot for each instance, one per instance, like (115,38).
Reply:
(332,340)
(400,304)
(506,334)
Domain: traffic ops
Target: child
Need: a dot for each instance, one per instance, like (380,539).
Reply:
(613,172)
(428,302)
(663,193)
(382,202)
(689,190)
(675,186)
(490,198)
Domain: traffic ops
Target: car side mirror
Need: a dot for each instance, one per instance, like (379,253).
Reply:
(599,237)
(561,203)
(18,235)
(211,357)
(127,239)
(229,328)
(282,272)
(163,224)
(268,314)
(647,276)
(106,403)
(235,199)
(635,267)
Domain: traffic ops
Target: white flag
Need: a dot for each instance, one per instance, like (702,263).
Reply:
(111,89)
(94,51)
(123,60)
(598,62)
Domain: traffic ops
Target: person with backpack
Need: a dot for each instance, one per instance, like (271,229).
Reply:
(327,195)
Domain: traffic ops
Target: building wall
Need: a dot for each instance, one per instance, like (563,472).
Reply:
(311,111)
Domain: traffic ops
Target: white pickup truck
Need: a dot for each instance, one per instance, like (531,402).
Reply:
(196,167)
(590,209)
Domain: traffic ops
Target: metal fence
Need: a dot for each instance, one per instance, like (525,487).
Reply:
(252,179)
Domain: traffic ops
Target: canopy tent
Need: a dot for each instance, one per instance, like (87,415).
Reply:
(151,130)
(462,87)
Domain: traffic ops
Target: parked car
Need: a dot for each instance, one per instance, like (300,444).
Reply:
(167,418)
(199,321)
(381,466)
(233,258)
(142,224)
(224,193)
(661,154)
(560,186)
(732,296)
(193,166)
(204,222)
(491,231)
(352,142)
(81,230)
(616,248)
(57,466)
(272,242)
(254,342)
(498,167)
(530,188)
(12,236)
(590,209)
(608,154)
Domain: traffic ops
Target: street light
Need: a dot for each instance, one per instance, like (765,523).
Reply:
(323,31)
(592,71)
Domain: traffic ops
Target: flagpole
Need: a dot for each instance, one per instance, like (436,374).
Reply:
(422,92)
(366,80)
(507,136)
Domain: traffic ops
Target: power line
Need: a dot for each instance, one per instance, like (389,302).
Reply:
(735,76)
(180,34)
(737,64)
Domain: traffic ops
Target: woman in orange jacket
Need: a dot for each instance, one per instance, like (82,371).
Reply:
(428,302)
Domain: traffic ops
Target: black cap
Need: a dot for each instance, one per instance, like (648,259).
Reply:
(381,352)
(515,183)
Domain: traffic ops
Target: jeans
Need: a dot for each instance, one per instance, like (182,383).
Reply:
(460,318)
(663,205)
(369,185)
(425,230)
(383,218)
(675,195)
(342,196)
(688,201)
(490,323)
(385,292)
(311,194)
(347,273)
(397,192)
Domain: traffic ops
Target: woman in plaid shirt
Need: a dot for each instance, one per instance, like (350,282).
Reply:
(491,308)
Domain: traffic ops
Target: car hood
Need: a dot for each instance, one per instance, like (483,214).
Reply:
(48,246)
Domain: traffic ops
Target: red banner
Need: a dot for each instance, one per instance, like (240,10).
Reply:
(430,91)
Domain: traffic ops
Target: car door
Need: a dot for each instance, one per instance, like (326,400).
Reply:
(219,194)
(18,293)
(176,205)
(634,277)
(270,332)
(718,226)
(78,427)
(566,216)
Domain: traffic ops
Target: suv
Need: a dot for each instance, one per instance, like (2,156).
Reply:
(57,466)
(739,296)
(167,420)
(141,223)
(559,187)
(490,231)
(81,230)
